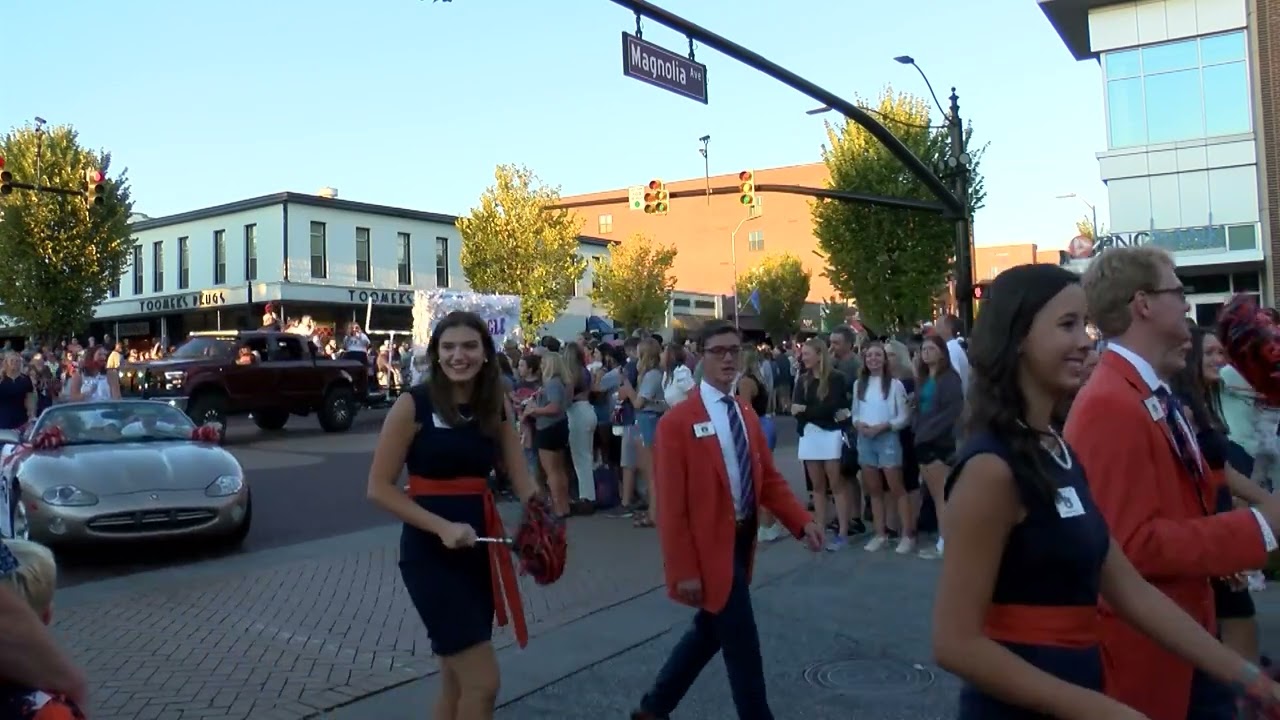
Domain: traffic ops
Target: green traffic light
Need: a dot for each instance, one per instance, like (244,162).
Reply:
(746,199)
(662,207)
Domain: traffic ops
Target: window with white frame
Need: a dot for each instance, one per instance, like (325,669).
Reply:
(137,269)
(184,263)
(606,224)
(404,259)
(219,257)
(442,262)
(319,251)
(363,271)
(755,240)
(1181,90)
(250,252)
(157,266)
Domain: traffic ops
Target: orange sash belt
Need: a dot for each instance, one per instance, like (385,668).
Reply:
(1059,626)
(502,572)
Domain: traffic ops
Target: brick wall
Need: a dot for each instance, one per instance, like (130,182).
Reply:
(1267,27)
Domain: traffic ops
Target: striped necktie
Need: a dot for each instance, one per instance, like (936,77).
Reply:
(1172,416)
(743,453)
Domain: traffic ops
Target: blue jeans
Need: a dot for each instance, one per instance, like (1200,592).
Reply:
(731,631)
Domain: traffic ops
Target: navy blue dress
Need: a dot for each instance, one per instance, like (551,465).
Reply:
(451,589)
(1049,561)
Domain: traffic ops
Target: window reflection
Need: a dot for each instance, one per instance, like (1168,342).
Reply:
(1174,111)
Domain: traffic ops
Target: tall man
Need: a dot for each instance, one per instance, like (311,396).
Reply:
(948,326)
(1150,481)
(717,473)
(844,350)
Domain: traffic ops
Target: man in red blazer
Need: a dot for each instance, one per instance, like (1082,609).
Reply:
(1149,479)
(715,473)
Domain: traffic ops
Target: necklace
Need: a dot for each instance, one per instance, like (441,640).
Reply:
(1058,451)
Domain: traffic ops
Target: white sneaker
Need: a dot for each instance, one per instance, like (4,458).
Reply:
(906,546)
(876,544)
(930,554)
(771,533)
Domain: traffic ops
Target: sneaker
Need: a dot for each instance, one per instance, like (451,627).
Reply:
(771,533)
(877,543)
(930,553)
(836,544)
(622,511)
(857,527)
(906,546)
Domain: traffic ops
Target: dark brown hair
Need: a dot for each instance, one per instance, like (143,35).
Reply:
(944,355)
(487,393)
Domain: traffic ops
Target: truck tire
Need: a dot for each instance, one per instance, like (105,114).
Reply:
(273,419)
(210,408)
(339,410)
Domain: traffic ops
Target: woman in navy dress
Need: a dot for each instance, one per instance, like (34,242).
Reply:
(451,432)
(1028,553)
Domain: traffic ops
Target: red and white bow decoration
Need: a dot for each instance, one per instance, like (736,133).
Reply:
(208,433)
(50,438)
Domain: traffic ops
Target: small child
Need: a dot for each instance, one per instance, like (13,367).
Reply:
(35,580)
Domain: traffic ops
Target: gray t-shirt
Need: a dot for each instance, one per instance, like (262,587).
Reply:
(608,392)
(552,393)
(651,390)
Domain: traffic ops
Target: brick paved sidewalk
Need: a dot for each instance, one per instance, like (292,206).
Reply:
(297,638)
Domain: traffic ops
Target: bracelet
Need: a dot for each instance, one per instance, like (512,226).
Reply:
(1255,685)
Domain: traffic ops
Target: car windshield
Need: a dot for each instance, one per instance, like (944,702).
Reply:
(116,422)
(205,347)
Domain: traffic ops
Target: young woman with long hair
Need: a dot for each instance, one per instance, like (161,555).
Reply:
(551,429)
(95,381)
(677,379)
(1028,552)
(650,403)
(528,381)
(582,425)
(938,407)
(819,410)
(450,433)
(1198,385)
(880,410)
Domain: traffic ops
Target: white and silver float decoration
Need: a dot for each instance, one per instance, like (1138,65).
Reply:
(500,312)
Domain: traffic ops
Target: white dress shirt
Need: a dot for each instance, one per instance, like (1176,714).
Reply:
(719,414)
(1153,381)
(960,361)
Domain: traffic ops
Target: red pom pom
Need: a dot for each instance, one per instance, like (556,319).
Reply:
(210,433)
(1252,343)
(49,438)
(541,543)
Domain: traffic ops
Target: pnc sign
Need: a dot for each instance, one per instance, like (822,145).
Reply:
(662,68)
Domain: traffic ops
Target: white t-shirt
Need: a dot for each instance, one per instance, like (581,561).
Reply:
(959,361)
(356,343)
(95,387)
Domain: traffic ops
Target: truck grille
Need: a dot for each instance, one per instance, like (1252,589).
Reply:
(152,521)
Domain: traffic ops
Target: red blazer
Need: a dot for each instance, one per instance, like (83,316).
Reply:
(696,516)
(1156,510)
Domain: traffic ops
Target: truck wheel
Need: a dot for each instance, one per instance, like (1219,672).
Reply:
(270,419)
(339,410)
(207,409)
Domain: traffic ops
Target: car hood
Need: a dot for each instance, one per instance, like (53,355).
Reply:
(128,467)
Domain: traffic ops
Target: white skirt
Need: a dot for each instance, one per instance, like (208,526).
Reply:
(819,444)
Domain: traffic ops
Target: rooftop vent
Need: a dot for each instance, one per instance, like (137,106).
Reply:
(328,192)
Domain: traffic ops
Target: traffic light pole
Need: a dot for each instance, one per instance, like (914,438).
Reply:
(963,254)
(824,193)
(45,188)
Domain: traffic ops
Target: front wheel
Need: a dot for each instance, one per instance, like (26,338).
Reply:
(339,410)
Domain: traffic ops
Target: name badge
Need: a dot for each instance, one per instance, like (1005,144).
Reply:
(1155,408)
(704,429)
(1068,503)
(439,422)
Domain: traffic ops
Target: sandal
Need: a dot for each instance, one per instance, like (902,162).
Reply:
(642,521)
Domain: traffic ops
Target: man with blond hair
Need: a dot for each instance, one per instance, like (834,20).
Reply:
(1150,481)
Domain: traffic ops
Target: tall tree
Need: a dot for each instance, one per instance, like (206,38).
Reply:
(514,244)
(780,284)
(634,282)
(893,263)
(61,254)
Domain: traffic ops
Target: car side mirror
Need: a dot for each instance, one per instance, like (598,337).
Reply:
(10,437)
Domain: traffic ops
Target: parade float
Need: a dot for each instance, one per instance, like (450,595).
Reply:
(500,312)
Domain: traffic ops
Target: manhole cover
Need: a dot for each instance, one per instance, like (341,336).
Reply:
(869,676)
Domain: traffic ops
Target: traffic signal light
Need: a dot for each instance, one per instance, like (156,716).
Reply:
(656,199)
(981,291)
(747,188)
(95,191)
(6,179)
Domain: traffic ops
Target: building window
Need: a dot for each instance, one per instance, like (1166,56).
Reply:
(219,257)
(114,290)
(137,269)
(442,262)
(755,240)
(319,251)
(404,259)
(362,255)
(157,267)
(606,224)
(250,252)
(184,263)
(1183,90)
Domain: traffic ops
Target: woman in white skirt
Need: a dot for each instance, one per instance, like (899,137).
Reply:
(818,406)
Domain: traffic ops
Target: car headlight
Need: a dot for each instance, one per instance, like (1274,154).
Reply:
(68,496)
(225,485)
(174,378)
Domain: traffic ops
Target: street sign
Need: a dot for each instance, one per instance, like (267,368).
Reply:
(662,68)
(635,197)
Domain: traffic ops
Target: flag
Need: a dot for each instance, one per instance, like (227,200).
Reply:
(755,300)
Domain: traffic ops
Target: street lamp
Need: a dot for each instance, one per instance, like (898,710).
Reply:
(706,163)
(1092,209)
(752,214)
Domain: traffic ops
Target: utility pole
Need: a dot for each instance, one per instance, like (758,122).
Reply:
(959,162)
(752,214)
(706,163)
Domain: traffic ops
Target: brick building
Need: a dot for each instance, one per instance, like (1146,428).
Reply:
(988,262)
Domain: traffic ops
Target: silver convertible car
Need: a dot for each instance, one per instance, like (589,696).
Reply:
(119,470)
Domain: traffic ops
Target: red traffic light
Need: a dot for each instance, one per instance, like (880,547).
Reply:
(655,184)
(95,176)
(979,292)
(1,163)
(745,176)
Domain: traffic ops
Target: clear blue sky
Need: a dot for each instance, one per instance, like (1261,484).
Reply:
(410,103)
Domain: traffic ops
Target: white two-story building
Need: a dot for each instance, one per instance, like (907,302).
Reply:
(1181,162)
(335,260)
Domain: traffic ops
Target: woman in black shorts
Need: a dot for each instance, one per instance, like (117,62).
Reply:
(549,411)
(1028,552)
(939,404)
(451,432)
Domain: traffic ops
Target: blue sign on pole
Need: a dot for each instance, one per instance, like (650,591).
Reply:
(662,68)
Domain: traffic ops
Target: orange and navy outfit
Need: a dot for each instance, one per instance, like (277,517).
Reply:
(1044,606)
(26,705)
(457,593)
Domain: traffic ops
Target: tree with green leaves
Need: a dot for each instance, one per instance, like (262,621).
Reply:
(513,243)
(781,285)
(634,283)
(61,254)
(892,262)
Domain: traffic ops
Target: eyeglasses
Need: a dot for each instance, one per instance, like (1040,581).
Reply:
(724,352)
(1179,292)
